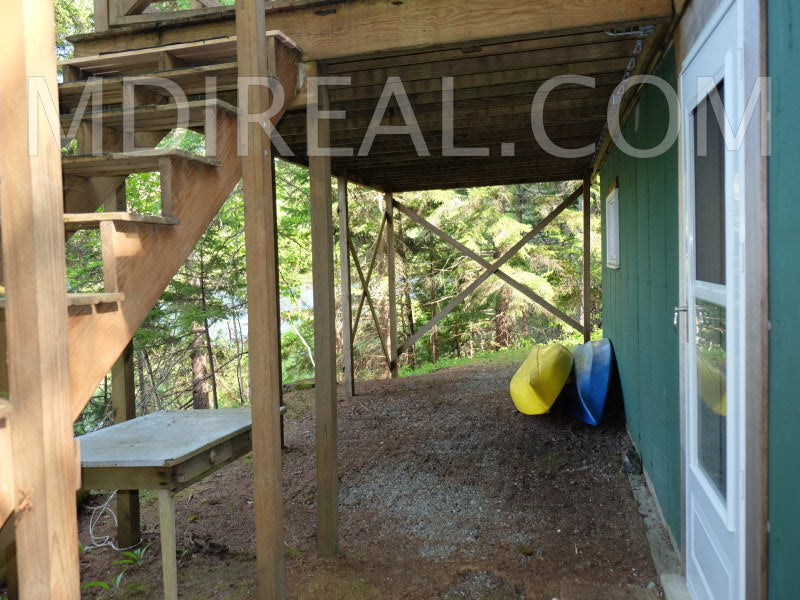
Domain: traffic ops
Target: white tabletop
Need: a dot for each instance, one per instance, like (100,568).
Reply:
(162,439)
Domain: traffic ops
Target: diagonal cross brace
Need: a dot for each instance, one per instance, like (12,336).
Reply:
(521,287)
(492,269)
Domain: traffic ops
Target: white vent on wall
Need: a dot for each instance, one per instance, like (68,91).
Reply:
(612,229)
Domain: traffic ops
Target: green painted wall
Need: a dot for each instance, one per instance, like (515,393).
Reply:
(784,304)
(638,299)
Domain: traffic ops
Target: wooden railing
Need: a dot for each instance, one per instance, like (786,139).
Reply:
(115,13)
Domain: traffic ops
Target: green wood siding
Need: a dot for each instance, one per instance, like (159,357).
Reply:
(638,299)
(784,303)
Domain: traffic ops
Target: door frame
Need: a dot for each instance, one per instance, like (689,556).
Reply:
(755,328)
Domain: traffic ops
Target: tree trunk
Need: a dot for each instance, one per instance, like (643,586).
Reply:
(207,333)
(201,387)
(502,321)
(434,344)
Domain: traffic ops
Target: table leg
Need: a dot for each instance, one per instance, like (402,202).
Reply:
(169,562)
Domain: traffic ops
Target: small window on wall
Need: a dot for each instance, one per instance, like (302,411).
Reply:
(612,228)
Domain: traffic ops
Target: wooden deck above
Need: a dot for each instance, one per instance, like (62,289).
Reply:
(497,54)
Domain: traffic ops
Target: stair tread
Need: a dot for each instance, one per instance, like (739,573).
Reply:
(155,117)
(87,299)
(192,80)
(125,163)
(76,221)
(201,52)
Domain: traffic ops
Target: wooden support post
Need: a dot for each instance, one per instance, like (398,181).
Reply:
(388,209)
(324,338)
(587,257)
(263,306)
(101,15)
(34,271)
(123,401)
(347,307)
(169,560)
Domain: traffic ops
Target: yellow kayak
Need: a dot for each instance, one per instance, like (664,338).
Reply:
(537,383)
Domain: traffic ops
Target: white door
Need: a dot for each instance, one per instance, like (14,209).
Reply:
(712,208)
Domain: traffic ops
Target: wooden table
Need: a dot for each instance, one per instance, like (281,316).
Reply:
(164,451)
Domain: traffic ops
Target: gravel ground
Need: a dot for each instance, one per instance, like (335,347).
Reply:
(446,492)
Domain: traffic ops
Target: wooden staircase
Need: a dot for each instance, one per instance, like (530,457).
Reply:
(141,253)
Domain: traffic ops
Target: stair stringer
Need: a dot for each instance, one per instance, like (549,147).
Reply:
(147,258)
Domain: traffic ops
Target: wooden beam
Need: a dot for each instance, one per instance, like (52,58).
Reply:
(587,258)
(368,296)
(346,293)
(391,276)
(365,27)
(123,402)
(34,272)
(466,251)
(324,338)
(376,248)
(263,306)
(494,267)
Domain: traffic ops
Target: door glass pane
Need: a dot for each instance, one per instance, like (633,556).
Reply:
(711,392)
(709,192)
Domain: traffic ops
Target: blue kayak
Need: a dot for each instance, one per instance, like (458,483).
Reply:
(593,364)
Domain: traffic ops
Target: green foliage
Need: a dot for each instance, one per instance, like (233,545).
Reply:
(72,17)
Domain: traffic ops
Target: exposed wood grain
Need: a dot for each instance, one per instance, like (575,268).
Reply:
(366,27)
(123,403)
(257,59)
(391,342)
(120,164)
(365,281)
(346,286)
(75,222)
(324,340)
(365,287)
(31,203)
(169,562)
(466,251)
(494,267)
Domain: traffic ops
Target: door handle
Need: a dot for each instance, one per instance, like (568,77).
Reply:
(676,316)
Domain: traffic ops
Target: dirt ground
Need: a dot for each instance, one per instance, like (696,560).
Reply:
(446,492)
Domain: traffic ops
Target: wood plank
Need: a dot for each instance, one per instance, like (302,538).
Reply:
(75,222)
(346,290)
(256,60)
(34,272)
(324,339)
(362,28)
(466,251)
(373,312)
(587,258)
(123,404)
(169,561)
(391,276)
(495,266)
(196,52)
(124,163)
(365,281)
